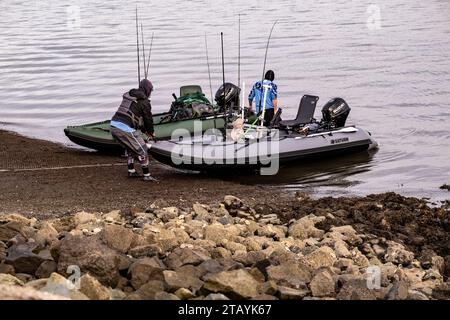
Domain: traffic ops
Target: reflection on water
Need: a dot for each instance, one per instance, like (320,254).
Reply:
(68,62)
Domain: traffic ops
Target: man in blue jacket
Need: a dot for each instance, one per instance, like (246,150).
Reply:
(268,89)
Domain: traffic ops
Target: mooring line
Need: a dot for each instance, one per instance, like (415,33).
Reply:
(63,168)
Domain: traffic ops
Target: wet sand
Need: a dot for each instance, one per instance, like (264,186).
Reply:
(43,178)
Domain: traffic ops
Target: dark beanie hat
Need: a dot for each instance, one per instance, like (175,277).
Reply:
(146,86)
(270,75)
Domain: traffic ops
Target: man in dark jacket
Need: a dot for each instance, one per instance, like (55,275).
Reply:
(135,113)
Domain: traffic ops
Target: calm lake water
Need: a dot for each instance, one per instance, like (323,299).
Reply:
(68,62)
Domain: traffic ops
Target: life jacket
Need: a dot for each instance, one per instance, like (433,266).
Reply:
(125,111)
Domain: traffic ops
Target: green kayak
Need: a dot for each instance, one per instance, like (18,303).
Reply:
(98,136)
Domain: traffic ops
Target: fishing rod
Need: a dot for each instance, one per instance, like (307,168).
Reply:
(143,48)
(223,72)
(210,82)
(137,46)
(264,69)
(149,55)
(239,52)
(209,69)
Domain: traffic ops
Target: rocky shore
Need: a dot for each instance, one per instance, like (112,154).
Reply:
(377,247)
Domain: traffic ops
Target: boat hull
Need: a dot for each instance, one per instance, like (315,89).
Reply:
(98,136)
(204,155)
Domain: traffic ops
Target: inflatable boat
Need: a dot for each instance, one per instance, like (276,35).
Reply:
(181,115)
(267,147)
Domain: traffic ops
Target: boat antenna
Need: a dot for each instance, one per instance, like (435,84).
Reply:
(137,46)
(143,49)
(223,71)
(209,69)
(149,55)
(265,61)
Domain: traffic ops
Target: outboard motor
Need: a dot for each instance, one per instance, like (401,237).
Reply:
(231,96)
(335,113)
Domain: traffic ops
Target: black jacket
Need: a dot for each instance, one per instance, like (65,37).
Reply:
(136,111)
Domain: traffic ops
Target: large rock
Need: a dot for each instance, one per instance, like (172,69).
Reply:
(8,292)
(176,280)
(323,284)
(91,256)
(286,293)
(23,258)
(305,228)
(236,284)
(396,253)
(58,285)
(82,218)
(2,251)
(322,257)
(442,292)
(93,289)
(167,214)
(290,274)
(148,290)
(165,239)
(10,230)
(46,234)
(46,269)
(149,250)
(144,270)
(232,202)
(356,289)
(7,279)
(346,233)
(183,256)
(217,233)
(117,237)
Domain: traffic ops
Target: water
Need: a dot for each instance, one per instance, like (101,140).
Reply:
(68,62)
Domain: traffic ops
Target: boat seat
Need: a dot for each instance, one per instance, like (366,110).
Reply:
(305,112)
(185,90)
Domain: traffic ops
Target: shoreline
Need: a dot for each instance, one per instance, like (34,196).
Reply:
(191,236)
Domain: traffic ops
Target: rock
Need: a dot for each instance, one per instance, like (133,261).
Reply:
(200,211)
(149,290)
(305,228)
(58,285)
(348,234)
(232,202)
(343,264)
(269,288)
(323,284)
(167,214)
(291,274)
(7,279)
(442,292)
(117,237)
(399,291)
(165,296)
(438,264)
(82,218)
(180,257)
(3,248)
(145,251)
(37,284)
(176,280)
(359,259)
(9,230)
(356,289)
(146,269)
(91,256)
(25,293)
(220,252)
(113,216)
(216,297)
(93,289)
(23,259)
(24,277)
(163,238)
(285,293)
(396,253)
(217,233)
(416,295)
(7,268)
(322,257)
(184,294)
(237,283)
(46,269)
(341,249)
(46,234)
(117,294)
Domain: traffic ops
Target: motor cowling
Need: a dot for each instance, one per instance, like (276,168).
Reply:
(231,95)
(336,112)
